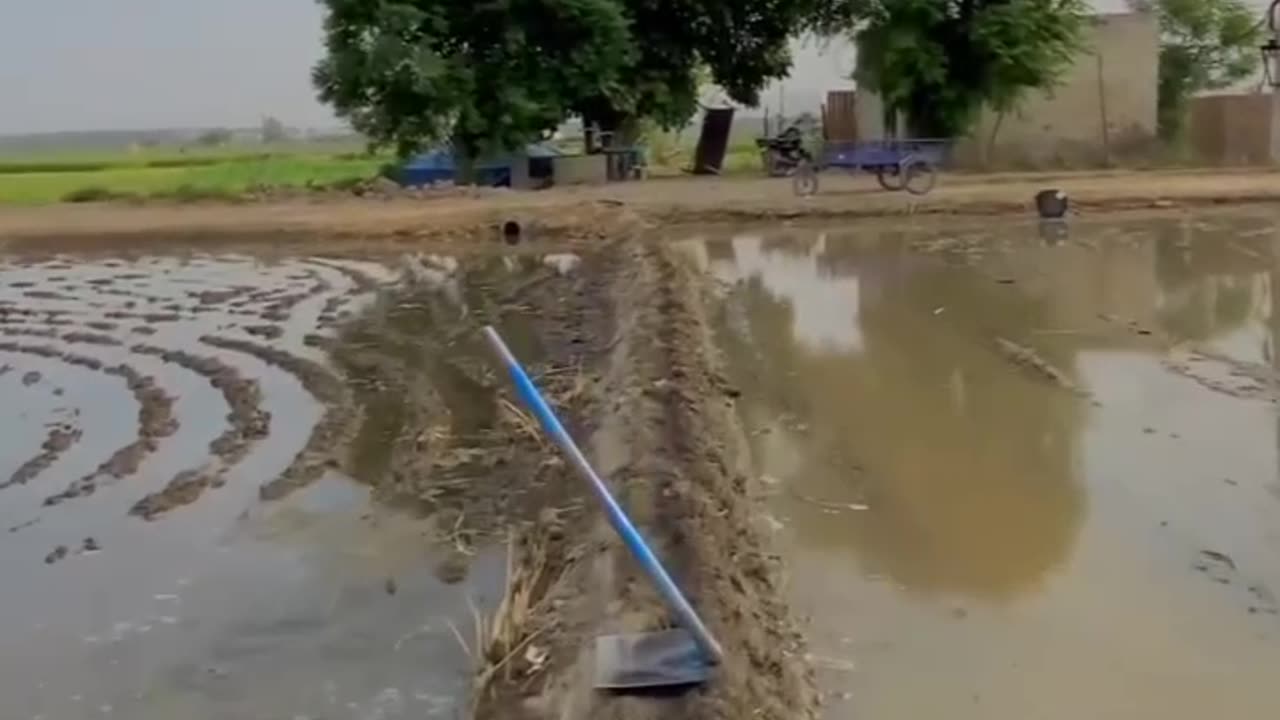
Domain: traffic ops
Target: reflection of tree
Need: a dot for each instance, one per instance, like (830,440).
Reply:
(969,463)
(1207,281)
(979,493)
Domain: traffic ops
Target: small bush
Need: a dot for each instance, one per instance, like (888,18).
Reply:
(92,193)
(192,193)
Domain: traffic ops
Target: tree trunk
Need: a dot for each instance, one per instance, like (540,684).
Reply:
(464,165)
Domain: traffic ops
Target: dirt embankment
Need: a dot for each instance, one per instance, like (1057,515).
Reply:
(601,211)
(668,441)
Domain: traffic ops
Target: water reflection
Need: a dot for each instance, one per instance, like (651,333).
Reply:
(1015,528)
(971,477)
(972,468)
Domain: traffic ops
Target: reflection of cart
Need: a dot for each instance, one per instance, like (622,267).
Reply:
(910,165)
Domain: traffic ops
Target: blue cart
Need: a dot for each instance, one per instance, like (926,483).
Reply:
(910,165)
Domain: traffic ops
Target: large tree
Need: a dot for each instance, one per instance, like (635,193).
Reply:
(489,75)
(939,62)
(740,45)
(1204,45)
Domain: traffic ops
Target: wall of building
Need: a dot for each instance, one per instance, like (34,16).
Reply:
(1231,129)
(1104,106)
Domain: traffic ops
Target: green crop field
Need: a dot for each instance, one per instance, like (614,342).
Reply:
(53,176)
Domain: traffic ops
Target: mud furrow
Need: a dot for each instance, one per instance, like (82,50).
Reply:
(328,438)
(155,421)
(247,421)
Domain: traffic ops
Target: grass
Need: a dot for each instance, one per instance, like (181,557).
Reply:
(520,618)
(227,172)
(207,172)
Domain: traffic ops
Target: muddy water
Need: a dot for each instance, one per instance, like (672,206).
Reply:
(324,604)
(1092,533)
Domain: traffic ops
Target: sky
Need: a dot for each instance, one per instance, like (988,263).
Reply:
(133,64)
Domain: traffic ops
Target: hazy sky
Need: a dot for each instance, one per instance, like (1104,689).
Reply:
(124,64)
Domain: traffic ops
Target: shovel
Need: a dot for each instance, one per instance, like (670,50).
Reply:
(680,656)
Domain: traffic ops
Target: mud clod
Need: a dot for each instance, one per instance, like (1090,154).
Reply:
(453,569)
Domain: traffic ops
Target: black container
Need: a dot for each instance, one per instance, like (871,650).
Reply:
(1051,204)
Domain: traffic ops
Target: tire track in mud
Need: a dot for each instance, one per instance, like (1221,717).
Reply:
(330,435)
(361,283)
(61,437)
(155,418)
(247,423)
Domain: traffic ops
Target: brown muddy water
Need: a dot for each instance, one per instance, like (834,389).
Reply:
(171,388)
(1015,478)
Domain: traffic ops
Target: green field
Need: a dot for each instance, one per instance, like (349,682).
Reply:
(50,177)
(228,172)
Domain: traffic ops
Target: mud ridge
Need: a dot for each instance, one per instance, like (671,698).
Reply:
(184,489)
(248,422)
(361,281)
(667,442)
(328,438)
(155,421)
(282,306)
(59,439)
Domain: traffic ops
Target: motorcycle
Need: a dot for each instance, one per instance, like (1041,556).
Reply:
(782,154)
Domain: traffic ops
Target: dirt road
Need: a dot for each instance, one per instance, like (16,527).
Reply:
(592,212)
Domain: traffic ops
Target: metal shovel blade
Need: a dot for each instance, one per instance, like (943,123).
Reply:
(654,659)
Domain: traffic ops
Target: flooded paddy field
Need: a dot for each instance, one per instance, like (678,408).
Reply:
(902,469)
(1019,478)
(234,486)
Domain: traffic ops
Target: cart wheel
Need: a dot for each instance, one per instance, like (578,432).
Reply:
(919,177)
(805,180)
(889,177)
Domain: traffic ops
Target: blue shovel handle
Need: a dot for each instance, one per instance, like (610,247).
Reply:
(617,518)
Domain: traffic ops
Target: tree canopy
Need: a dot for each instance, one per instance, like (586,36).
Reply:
(1204,45)
(493,74)
(939,62)
(487,74)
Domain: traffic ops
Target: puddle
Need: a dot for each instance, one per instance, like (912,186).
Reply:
(973,540)
(324,604)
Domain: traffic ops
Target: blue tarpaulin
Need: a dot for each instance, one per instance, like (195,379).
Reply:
(438,166)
